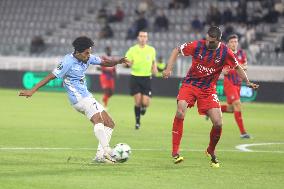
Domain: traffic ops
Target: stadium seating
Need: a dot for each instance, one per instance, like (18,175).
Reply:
(59,22)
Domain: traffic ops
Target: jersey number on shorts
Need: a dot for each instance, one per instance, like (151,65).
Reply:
(96,105)
(215,98)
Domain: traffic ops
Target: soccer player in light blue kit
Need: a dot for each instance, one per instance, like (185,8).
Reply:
(72,70)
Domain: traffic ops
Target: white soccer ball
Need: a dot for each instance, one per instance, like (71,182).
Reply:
(121,152)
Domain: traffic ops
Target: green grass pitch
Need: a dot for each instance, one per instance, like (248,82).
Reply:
(37,135)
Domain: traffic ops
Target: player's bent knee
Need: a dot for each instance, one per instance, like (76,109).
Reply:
(180,114)
(95,119)
(217,123)
(145,104)
(237,106)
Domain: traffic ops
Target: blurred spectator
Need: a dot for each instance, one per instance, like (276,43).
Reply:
(254,50)
(176,4)
(250,34)
(282,44)
(241,15)
(106,32)
(197,25)
(142,7)
(279,7)
(140,24)
(37,45)
(271,16)
(117,16)
(255,16)
(161,22)
(102,14)
(184,3)
(241,30)
(213,16)
(152,7)
(227,16)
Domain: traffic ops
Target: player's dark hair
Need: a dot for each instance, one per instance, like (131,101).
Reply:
(232,36)
(215,32)
(82,43)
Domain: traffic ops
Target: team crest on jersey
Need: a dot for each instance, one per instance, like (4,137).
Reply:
(60,66)
(217,60)
(148,57)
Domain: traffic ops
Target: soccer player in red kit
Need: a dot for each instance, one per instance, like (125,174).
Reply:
(232,85)
(209,56)
(107,79)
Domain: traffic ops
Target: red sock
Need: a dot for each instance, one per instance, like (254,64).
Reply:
(105,99)
(176,135)
(215,135)
(224,108)
(239,120)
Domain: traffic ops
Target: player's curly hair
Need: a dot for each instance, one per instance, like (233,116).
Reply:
(215,32)
(82,43)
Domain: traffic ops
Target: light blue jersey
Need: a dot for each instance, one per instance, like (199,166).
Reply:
(72,71)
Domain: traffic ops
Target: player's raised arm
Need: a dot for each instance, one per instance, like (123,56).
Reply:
(171,62)
(243,75)
(29,93)
(109,62)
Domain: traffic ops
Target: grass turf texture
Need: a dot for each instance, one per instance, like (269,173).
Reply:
(48,121)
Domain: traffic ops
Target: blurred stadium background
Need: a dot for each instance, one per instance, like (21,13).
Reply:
(36,138)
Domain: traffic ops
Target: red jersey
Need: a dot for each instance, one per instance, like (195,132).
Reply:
(207,64)
(108,72)
(232,75)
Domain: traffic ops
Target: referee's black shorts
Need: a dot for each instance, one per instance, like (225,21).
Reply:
(140,84)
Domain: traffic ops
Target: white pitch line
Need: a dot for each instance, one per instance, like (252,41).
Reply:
(244,147)
(240,149)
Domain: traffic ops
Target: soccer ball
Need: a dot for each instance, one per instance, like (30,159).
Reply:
(121,152)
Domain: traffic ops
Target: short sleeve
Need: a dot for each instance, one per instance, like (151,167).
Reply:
(154,54)
(129,54)
(95,60)
(231,60)
(62,67)
(187,49)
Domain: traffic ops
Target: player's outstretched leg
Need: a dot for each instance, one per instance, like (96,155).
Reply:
(100,155)
(177,130)
(103,134)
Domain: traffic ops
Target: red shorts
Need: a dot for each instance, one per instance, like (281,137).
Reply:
(206,98)
(232,92)
(106,83)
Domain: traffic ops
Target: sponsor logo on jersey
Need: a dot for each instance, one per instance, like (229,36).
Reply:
(205,70)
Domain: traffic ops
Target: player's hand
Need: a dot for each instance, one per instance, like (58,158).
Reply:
(245,66)
(26,93)
(225,70)
(167,73)
(125,61)
(252,85)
